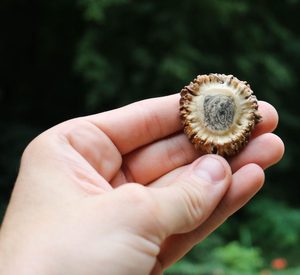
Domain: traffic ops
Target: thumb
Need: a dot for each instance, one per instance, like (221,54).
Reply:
(189,200)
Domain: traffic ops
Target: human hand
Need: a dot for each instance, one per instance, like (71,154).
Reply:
(124,192)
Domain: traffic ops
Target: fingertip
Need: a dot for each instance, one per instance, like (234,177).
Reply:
(269,112)
(215,167)
(270,118)
(264,150)
(278,149)
(256,173)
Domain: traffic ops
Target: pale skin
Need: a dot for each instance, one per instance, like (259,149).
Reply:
(124,192)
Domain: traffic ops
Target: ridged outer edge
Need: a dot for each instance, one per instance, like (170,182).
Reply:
(241,138)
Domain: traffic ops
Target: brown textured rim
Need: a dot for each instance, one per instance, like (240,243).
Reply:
(206,145)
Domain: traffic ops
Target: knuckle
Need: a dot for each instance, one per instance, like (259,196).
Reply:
(142,202)
(136,195)
(54,135)
(32,147)
(194,201)
(42,146)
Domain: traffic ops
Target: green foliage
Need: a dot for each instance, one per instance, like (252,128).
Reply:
(276,227)
(278,220)
(232,259)
(94,10)
(235,258)
(290,271)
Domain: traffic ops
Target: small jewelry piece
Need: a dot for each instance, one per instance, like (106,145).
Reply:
(218,113)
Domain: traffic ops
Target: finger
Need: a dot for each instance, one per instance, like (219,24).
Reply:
(269,119)
(93,146)
(245,184)
(140,123)
(154,160)
(150,162)
(264,150)
(143,122)
(192,197)
(52,153)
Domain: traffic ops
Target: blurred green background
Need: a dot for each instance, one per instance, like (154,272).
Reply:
(62,59)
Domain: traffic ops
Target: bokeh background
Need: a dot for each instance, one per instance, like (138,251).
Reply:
(68,58)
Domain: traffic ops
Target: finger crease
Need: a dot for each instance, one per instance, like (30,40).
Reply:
(127,173)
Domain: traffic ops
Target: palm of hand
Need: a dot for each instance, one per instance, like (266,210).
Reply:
(140,143)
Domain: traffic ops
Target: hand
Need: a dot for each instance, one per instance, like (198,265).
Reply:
(124,192)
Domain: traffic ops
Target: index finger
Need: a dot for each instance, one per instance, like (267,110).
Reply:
(140,123)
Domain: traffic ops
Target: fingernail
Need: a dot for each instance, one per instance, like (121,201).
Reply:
(210,169)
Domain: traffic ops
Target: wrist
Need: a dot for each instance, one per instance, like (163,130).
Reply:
(16,257)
